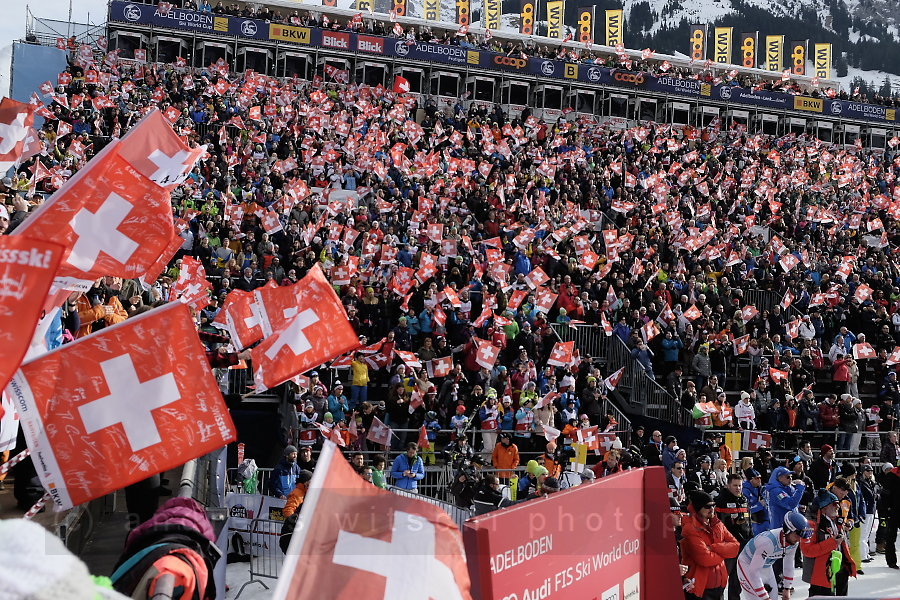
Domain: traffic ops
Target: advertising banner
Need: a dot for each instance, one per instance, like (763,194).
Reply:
(615,27)
(749,44)
(697,48)
(526,17)
(586,24)
(798,51)
(722,45)
(432,10)
(463,13)
(492,11)
(611,539)
(555,11)
(822,61)
(774,52)
(399,7)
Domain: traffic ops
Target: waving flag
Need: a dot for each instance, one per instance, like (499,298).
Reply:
(15,120)
(192,287)
(562,353)
(114,400)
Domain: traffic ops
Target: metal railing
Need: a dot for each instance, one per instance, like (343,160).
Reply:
(266,556)
(761,299)
(459,515)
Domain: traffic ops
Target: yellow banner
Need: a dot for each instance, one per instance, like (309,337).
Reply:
(822,61)
(526,17)
(586,24)
(615,27)
(289,33)
(697,50)
(463,13)
(492,11)
(432,10)
(774,52)
(810,104)
(365,5)
(555,11)
(722,45)
(798,56)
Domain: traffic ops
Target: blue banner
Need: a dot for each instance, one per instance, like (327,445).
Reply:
(192,21)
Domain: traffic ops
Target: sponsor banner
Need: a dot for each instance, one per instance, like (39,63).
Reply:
(615,27)
(586,24)
(749,44)
(556,10)
(492,11)
(364,5)
(797,55)
(774,52)
(463,13)
(697,45)
(822,61)
(722,45)
(399,8)
(526,17)
(611,539)
(432,10)
(594,74)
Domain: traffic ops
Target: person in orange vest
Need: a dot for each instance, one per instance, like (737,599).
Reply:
(505,456)
(725,416)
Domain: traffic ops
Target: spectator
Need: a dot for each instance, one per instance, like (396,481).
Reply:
(823,469)
(707,544)
(408,469)
(284,475)
(733,509)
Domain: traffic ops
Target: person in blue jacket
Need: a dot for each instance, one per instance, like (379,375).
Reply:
(408,469)
(284,475)
(783,494)
(508,416)
(753,490)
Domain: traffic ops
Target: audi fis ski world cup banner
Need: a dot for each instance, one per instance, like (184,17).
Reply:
(608,539)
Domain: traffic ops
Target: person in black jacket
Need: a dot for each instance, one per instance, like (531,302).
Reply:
(823,470)
(733,510)
(653,450)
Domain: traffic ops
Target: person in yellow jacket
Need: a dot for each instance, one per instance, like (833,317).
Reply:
(359,386)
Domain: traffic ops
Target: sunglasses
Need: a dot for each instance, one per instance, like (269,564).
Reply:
(710,506)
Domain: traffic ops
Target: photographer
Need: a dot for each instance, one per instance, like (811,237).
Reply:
(488,496)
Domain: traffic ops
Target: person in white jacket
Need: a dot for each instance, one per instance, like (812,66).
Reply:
(744,413)
(754,563)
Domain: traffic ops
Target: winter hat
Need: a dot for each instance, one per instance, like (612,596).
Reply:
(551,484)
(304,476)
(328,415)
(745,395)
(848,470)
(825,498)
(699,499)
(36,565)
(290,450)
(827,448)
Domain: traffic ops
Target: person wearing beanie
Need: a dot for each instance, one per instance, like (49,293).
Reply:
(744,413)
(284,475)
(753,490)
(821,550)
(37,566)
(823,470)
(707,544)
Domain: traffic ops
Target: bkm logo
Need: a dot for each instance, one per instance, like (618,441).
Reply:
(527,17)
(462,12)
(614,27)
(748,52)
(248,28)
(823,61)
(510,61)
(698,42)
(723,46)
(636,79)
(798,56)
(585,26)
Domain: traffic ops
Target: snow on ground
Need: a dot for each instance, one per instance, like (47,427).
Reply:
(874,78)
(878,582)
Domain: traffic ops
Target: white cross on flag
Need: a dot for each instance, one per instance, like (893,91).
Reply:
(316,332)
(192,287)
(863,350)
(754,440)
(395,547)
(118,406)
(894,357)
(379,433)
(863,293)
(613,380)
(777,376)
(606,440)
(537,278)
(486,353)
(439,367)
(693,313)
(15,119)
(241,318)
(650,330)
(748,312)
(787,300)
(588,437)
(741,344)
(156,151)
(561,355)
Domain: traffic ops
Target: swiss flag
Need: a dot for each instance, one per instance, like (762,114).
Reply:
(777,376)
(863,350)
(588,437)
(439,367)
(792,328)
(393,545)
(118,406)
(401,85)
(423,441)
(748,312)
(27,268)
(863,293)
(650,330)
(561,355)
(486,354)
(379,433)
(604,322)
(317,330)
(270,222)
(548,399)
(537,278)
(172,114)
(894,357)
(241,318)
(754,440)
(192,287)
(156,152)
(613,380)
(741,344)
(787,300)
(15,119)
(788,262)
(693,313)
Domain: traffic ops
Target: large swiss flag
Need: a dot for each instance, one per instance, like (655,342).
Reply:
(241,318)
(118,406)
(354,540)
(310,331)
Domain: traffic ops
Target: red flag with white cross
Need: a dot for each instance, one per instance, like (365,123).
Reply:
(613,380)
(396,547)
(316,331)
(863,350)
(863,293)
(693,313)
(537,278)
(486,353)
(379,433)
(748,312)
(561,355)
(15,119)
(111,409)
(754,440)
(192,287)
(777,375)
(241,318)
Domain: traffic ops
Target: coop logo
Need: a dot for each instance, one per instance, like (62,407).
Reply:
(836,107)
(725,92)
(132,12)
(248,28)
(594,74)
(636,79)
(510,61)
(401,49)
(698,43)
(547,68)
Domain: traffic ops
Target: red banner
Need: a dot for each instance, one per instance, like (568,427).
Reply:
(609,539)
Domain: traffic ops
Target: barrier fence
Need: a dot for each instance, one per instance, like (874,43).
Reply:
(266,557)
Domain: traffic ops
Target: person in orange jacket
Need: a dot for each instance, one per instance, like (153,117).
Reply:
(830,534)
(295,498)
(705,546)
(505,456)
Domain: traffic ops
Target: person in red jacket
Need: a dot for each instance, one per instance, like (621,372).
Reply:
(828,412)
(829,535)
(705,547)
